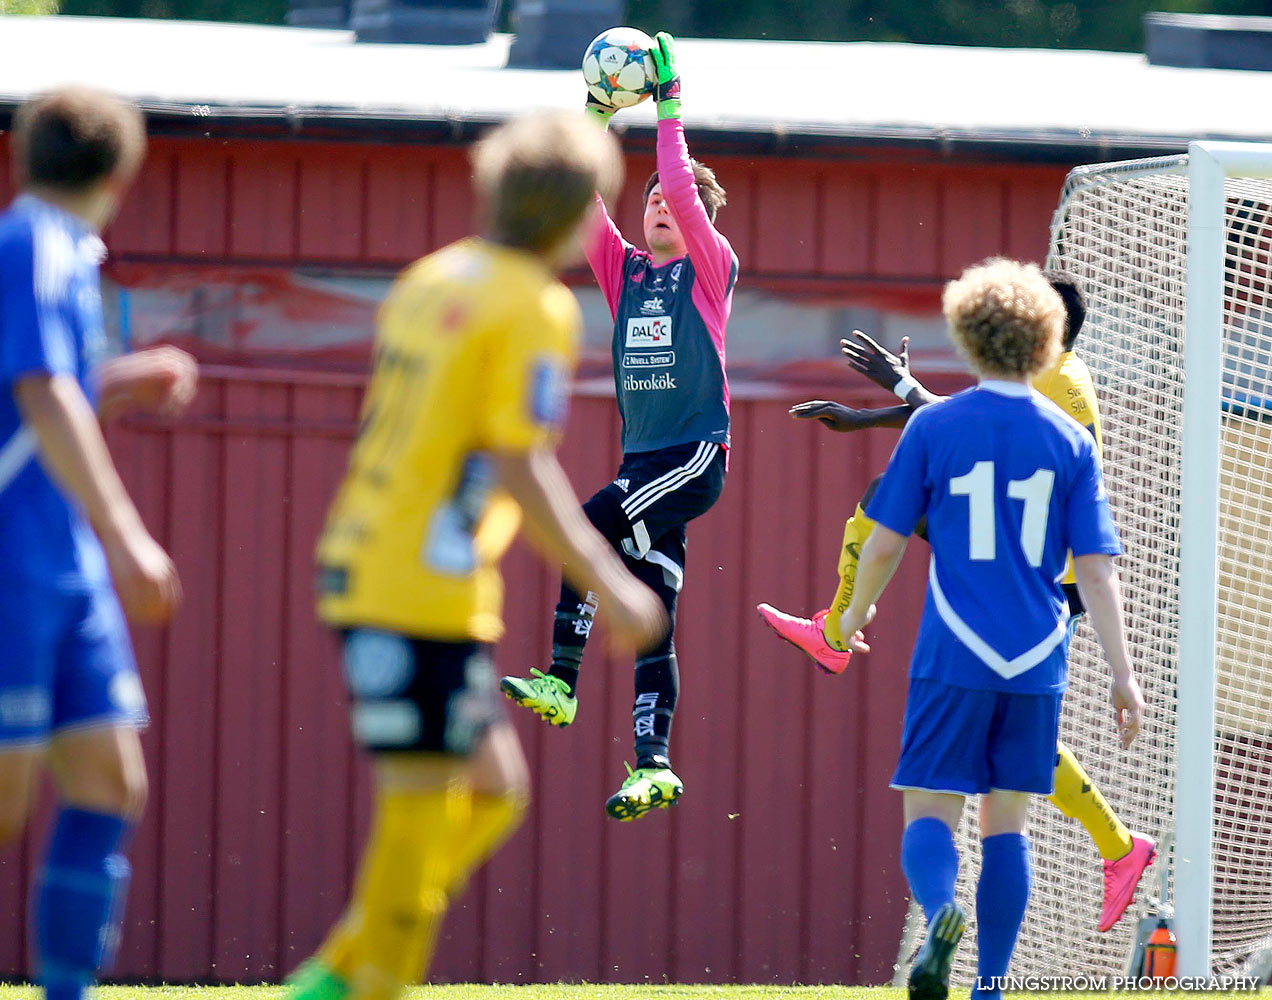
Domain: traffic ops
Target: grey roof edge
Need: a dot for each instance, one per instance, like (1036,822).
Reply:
(828,140)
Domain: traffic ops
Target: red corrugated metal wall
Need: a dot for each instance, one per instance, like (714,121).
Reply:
(888,226)
(780,863)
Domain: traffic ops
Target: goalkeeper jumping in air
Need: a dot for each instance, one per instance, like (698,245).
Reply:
(670,304)
(1068,384)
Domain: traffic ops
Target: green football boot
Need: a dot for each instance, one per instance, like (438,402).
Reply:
(646,788)
(546,696)
(314,981)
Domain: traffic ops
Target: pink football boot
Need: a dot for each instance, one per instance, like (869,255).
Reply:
(806,634)
(1122,876)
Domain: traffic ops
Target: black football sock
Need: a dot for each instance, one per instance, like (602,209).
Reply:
(657,689)
(571,627)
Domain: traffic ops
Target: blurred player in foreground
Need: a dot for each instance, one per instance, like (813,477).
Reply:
(473,360)
(670,306)
(1067,383)
(1004,508)
(72,545)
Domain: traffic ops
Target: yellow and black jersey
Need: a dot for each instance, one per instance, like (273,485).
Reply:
(474,353)
(1068,384)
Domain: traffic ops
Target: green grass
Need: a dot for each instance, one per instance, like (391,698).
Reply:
(573,992)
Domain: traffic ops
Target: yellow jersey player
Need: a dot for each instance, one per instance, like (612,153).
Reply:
(1068,384)
(474,354)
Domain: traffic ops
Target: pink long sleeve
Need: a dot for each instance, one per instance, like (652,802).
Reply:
(606,251)
(709,251)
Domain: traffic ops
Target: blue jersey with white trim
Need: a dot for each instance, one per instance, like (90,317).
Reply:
(1009,485)
(50,323)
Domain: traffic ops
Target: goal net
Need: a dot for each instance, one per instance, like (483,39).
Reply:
(1123,230)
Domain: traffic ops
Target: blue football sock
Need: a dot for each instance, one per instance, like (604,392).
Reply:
(79,903)
(930,862)
(1001,899)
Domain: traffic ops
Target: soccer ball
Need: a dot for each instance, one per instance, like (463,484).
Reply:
(618,68)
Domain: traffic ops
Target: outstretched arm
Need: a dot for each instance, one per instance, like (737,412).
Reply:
(711,253)
(842,418)
(712,256)
(606,253)
(887,370)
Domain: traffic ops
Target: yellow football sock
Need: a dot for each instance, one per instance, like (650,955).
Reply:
(1077,797)
(386,936)
(494,817)
(856,530)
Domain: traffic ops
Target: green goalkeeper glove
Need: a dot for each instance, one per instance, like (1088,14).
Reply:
(601,113)
(667,90)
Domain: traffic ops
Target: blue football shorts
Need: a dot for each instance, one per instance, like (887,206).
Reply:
(969,742)
(66,663)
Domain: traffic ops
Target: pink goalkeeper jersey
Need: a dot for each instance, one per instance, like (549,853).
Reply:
(669,320)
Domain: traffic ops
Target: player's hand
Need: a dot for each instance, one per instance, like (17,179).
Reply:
(637,618)
(162,380)
(598,112)
(875,361)
(1128,708)
(667,89)
(836,416)
(145,578)
(851,624)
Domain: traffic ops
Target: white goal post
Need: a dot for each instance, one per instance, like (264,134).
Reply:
(1174,255)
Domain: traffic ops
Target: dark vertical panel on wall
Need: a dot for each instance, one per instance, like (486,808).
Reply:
(973,221)
(1031,202)
(847,217)
(791,196)
(145,461)
(145,221)
(317,760)
(201,203)
(399,198)
(907,234)
(738,220)
(772,750)
(707,863)
(253,524)
(332,205)
(190,798)
(452,198)
(263,200)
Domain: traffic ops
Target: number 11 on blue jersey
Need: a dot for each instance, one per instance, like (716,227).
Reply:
(978,487)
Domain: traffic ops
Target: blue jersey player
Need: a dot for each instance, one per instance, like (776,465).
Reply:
(1009,485)
(74,552)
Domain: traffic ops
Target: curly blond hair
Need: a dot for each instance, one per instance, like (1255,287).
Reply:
(1005,318)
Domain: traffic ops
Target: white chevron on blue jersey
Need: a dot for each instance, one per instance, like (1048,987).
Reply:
(996,662)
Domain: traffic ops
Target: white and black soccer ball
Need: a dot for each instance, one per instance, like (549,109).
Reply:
(618,69)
